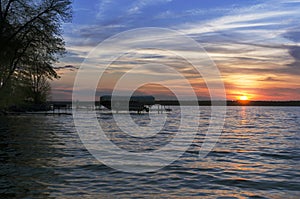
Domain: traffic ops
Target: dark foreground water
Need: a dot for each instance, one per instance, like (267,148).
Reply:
(257,156)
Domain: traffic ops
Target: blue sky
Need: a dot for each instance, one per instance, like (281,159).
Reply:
(255,44)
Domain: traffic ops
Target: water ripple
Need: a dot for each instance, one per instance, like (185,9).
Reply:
(257,156)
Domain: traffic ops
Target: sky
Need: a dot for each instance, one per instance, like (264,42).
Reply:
(254,44)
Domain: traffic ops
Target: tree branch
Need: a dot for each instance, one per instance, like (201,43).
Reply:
(14,63)
(7,9)
(1,16)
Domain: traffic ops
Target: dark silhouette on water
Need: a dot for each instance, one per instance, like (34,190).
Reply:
(135,103)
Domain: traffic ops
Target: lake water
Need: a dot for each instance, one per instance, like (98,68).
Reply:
(256,156)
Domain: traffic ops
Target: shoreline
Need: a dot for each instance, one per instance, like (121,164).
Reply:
(200,103)
(63,105)
(230,103)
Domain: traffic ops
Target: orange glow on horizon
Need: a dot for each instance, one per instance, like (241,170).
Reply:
(243,98)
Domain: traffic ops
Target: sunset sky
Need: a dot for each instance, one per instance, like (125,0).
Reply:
(255,44)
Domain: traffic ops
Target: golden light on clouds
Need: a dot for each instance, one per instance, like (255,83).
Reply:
(256,53)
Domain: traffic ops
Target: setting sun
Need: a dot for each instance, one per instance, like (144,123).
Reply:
(244,97)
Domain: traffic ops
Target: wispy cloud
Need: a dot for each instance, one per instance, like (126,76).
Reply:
(102,7)
(254,46)
(67,67)
(137,6)
(195,12)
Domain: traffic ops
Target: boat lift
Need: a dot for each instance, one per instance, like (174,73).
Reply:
(133,103)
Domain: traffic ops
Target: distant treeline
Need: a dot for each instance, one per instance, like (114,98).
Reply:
(229,103)
(200,103)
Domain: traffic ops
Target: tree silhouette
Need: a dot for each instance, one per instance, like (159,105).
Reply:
(30,38)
